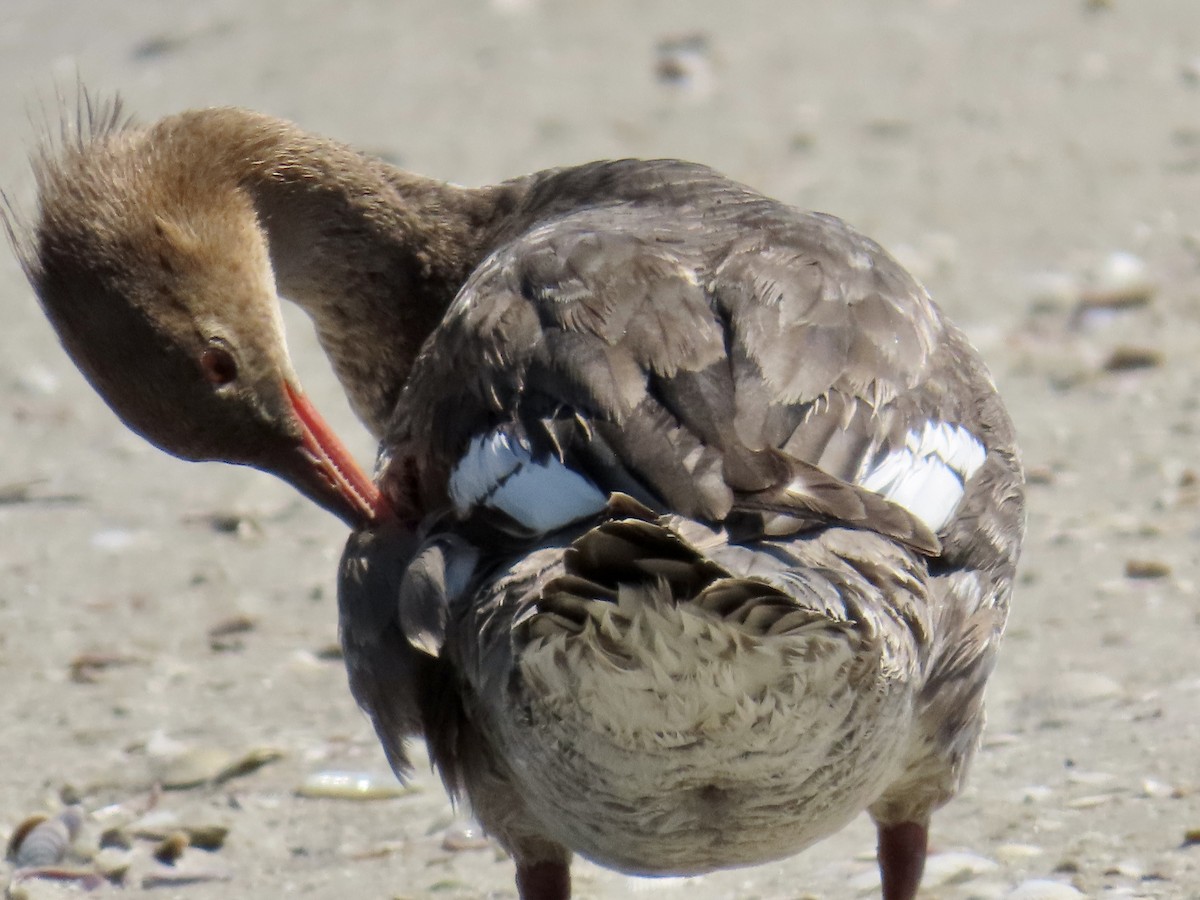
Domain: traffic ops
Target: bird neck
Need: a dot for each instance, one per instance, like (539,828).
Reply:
(372,254)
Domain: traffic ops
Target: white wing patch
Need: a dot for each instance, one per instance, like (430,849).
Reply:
(928,475)
(498,471)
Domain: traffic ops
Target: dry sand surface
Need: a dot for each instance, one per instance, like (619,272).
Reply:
(1036,163)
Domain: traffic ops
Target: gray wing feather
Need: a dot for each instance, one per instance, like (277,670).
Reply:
(713,365)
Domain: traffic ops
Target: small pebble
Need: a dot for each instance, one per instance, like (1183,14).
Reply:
(1191,837)
(331,652)
(170,848)
(685,63)
(237,524)
(1036,793)
(116,839)
(1128,359)
(1146,568)
(1039,475)
(206,837)
(238,624)
(86,667)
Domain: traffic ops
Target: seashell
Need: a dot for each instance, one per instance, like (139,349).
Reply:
(250,761)
(155,825)
(226,634)
(465,835)
(1091,801)
(337,785)
(35,883)
(21,832)
(190,768)
(86,667)
(170,848)
(44,841)
(206,837)
(113,863)
(200,766)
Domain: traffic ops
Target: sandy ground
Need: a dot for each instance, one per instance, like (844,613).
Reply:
(1005,151)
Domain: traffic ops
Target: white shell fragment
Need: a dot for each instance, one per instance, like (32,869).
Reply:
(1122,280)
(955,868)
(338,785)
(464,834)
(1044,889)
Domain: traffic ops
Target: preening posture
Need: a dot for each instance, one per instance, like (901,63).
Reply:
(695,522)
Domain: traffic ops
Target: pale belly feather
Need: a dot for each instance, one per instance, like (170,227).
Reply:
(675,743)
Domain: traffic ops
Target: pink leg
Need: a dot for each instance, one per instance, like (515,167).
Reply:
(544,881)
(902,859)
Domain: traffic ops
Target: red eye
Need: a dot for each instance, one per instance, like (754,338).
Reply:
(218,365)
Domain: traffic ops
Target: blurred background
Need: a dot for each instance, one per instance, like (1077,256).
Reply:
(1036,164)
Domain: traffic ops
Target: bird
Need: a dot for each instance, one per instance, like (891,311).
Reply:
(694,523)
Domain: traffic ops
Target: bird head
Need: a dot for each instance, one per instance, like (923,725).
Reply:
(158,281)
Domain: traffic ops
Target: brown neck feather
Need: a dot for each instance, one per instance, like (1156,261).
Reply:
(374,255)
